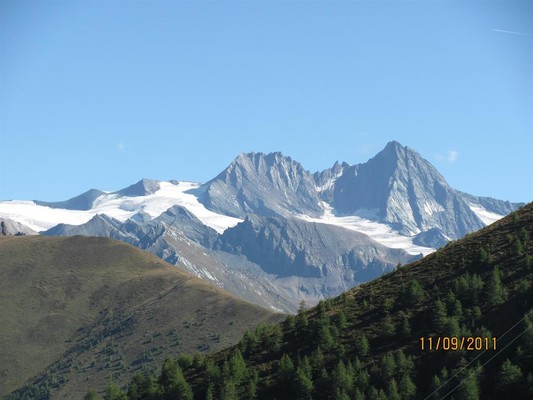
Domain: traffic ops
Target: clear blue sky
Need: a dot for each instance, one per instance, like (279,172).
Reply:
(98,94)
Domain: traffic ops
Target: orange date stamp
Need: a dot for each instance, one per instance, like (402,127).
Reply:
(457,343)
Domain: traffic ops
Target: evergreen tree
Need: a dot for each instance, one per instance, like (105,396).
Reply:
(407,387)
(325,339)
(212,372)
(113,392)
(362,346)
(527,324)
(210,393)
(388,327)
(237,367)
(387,366)
(495,288)
(392,392)
(342,322)
(439,316)
(435,387)
(343,378)
(301,320)
(304,380)
(469,389)
(229,391)
(251,388)
(405,326)
(510,377)
(286,369)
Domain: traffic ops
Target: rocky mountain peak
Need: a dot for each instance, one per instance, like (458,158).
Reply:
(142,188)
(264,184)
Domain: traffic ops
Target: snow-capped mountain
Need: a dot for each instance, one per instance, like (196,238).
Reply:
(272,232)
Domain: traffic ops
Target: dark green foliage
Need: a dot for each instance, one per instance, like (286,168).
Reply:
(173,383)
(388,326)
(237,367)
(229,391)
(251,388)
(407,387)
(113,392)
(392,390)
(405,325)
(286,369)
(304,380)
(185,361)
(510,379)
(412,293)
(495,290)
(362,346)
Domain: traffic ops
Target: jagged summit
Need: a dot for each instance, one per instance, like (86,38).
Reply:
(142,188)
(265,184)
(403,189)
(298,240)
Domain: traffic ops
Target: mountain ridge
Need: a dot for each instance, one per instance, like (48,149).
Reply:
(396,198)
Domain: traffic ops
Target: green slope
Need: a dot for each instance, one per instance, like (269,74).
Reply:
(366,343)
(78,311)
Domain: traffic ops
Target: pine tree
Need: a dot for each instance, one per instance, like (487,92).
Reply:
(286,369)
(392,391)
(495,288)
(237,367)
(405,326)
(509,377)
(304,380)
(435,387)
(407,387)
(387,366)
(343,378)
(439,316)
(251,388)
(388,327)
(113,392)
(361,345)
(210,393)
(469,389)
(229,391)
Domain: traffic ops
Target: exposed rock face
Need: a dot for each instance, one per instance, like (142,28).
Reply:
(404,190)
(142,188)
(9,227)
(266,185)
(431,238)
(277,256)
(293,247)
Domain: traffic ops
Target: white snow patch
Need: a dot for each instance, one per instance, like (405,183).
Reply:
(41,218)
(432,207)
(381,233)
(486,216)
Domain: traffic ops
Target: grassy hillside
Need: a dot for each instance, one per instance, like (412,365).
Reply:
(366,344)
(85,310)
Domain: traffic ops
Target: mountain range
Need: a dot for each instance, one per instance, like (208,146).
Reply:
(272,232)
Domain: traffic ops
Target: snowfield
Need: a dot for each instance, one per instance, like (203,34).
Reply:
(40,218)
(381,233)
(484,215)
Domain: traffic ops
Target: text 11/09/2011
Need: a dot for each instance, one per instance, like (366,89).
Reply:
(456,343)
